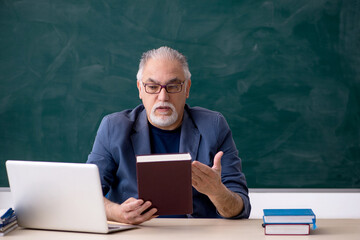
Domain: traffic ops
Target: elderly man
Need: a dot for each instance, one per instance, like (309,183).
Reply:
(164,123)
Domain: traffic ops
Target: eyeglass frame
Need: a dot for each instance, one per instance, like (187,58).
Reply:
(163,86)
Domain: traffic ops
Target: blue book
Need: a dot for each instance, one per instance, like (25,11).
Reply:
(5,214)
(289,216)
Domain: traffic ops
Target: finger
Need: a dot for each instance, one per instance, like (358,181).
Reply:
(143,207)
(200,179)
(196,179)
(142,217)
(217,161)
(195,168)
(132,200)
(149,214)
(132,204)
(200,168)
(138,216)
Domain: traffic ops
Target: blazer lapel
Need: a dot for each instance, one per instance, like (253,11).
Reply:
(140,138)
(190,137)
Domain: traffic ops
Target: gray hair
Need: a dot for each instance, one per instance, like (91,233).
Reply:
(163,52)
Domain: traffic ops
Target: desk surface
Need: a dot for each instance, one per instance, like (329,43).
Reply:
(208,229)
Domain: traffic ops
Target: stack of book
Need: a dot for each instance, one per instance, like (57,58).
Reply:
(8,221)
(288,221)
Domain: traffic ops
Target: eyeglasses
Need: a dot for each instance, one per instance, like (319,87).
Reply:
(154,88)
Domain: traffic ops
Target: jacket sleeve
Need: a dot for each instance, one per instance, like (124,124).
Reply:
(102,157)
(231,170)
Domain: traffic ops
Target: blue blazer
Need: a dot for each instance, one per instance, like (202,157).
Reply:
(123,135)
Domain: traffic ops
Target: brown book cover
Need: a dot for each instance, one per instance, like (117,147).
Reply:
(165,180)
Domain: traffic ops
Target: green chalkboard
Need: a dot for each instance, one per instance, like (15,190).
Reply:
(285,74)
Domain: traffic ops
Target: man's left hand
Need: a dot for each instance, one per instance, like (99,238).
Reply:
(207,180)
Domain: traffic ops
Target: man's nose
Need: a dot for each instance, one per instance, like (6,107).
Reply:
(163,95)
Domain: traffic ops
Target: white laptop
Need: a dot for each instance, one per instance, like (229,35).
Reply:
(59,196)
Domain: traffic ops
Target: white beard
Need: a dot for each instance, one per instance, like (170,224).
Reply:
(163,120)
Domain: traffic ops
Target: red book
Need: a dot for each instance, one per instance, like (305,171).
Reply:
(165,180)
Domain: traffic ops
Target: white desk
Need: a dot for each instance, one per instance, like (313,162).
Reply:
(186,229)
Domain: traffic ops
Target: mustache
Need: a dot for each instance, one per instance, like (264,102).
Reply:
(163,104)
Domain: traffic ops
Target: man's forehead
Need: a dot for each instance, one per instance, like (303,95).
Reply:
(157,69)
(171,80)
(160,62)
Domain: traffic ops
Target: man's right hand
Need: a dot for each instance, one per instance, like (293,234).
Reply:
(130,211)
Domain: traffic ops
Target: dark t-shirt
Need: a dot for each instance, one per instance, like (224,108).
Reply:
(164,141)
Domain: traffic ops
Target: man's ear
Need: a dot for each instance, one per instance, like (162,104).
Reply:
(139,88)
(188,85)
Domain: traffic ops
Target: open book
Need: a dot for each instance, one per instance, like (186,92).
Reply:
(165,180)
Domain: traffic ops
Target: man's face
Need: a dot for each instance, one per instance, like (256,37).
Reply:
(164,110)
